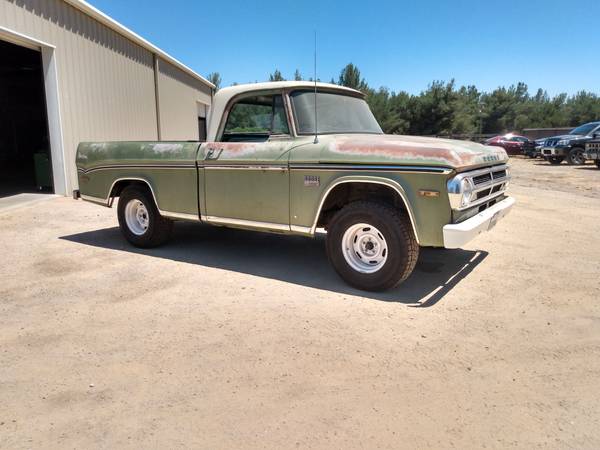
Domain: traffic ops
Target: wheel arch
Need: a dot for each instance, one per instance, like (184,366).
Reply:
(390,186)
(121,183)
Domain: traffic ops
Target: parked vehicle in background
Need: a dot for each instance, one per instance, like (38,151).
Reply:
(379,197)
(570,146)
(592,151)
(537,150)
(513,144)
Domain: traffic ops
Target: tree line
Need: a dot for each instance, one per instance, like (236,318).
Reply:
(446,109)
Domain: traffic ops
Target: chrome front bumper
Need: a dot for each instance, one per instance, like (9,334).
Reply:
(458,234)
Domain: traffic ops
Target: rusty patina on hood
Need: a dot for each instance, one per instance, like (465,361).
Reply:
(408,150)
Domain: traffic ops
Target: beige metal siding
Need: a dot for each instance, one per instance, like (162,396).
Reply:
(179,95)
(106,82)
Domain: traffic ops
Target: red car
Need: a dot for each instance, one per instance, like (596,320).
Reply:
(512,143)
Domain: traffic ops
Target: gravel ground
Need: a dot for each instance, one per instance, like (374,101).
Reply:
(234,339)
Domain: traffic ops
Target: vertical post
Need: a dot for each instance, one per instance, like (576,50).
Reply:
(157,97)
(57,149)
(316,141)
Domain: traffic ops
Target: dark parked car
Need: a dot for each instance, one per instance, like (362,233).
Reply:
(537,150)
(513,144)
(570,146)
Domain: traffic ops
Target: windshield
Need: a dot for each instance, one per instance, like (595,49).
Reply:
(585,129)
(336,113)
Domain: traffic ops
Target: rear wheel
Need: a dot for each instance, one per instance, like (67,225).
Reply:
(372,246)
(575,157)
(555,159)
(598,163)
(139,219)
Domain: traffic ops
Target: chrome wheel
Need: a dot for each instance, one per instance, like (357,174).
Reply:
(364,248)
(136,216)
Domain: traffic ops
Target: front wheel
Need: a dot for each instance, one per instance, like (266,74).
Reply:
(139,219)
(372,246)
(598,163)
(575,157)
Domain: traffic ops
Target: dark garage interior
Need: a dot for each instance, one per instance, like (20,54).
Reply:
(24,144)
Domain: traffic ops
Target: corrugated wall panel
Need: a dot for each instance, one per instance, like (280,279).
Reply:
(106,82)
(179,94)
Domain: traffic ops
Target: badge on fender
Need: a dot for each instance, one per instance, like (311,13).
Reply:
(312,180)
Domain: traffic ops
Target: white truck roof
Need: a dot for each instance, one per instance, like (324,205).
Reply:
(222,97)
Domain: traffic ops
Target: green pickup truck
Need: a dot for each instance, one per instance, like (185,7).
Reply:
(286,157)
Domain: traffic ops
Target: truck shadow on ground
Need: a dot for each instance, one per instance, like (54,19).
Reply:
(292,259)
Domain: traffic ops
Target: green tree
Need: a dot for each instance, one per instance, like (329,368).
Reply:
(276,76)
(350,77)
(297,75)
(583,107)
(214,78)
(434,110)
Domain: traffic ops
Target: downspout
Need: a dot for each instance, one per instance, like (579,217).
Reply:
(157,97)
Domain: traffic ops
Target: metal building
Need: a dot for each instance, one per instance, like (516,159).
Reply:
(69,73)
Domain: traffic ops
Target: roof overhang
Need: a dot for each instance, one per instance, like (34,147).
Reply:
(98,15)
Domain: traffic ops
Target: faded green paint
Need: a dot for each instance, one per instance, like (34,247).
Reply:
(259,195)
(94,154)
(262,182)
(429,214)
(408,150)
(101,165)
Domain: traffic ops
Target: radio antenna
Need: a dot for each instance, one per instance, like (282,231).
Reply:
(316,141)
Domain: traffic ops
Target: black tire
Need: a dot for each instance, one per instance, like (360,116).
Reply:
(555,159)
(598,163)
(575,157)
(402,250)
(158,228)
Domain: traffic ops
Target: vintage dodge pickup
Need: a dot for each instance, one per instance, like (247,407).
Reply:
(276,162)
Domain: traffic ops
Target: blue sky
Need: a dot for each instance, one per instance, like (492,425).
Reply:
(403,45)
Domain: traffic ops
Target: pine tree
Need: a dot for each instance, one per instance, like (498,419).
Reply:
(276,76)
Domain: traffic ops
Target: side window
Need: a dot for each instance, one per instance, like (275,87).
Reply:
(254,119)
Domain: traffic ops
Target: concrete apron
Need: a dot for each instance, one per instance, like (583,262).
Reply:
(16,201)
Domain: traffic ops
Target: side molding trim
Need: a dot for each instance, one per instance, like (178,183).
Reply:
(109,200)
(246,223)
(388,183)
(89,198)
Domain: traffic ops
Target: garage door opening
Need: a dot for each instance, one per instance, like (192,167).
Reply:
(25,164)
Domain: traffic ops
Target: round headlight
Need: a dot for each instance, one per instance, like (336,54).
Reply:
(467,190)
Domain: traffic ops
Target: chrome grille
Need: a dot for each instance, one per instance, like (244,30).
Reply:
(595,146)
(481,179)
(486,184)
(499,174)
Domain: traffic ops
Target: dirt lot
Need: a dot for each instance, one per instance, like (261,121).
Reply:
(233,339)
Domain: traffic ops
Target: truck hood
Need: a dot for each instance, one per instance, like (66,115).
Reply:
(409,150)
(568,137)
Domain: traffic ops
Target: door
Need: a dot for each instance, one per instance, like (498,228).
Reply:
(246,172)
(25,164)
